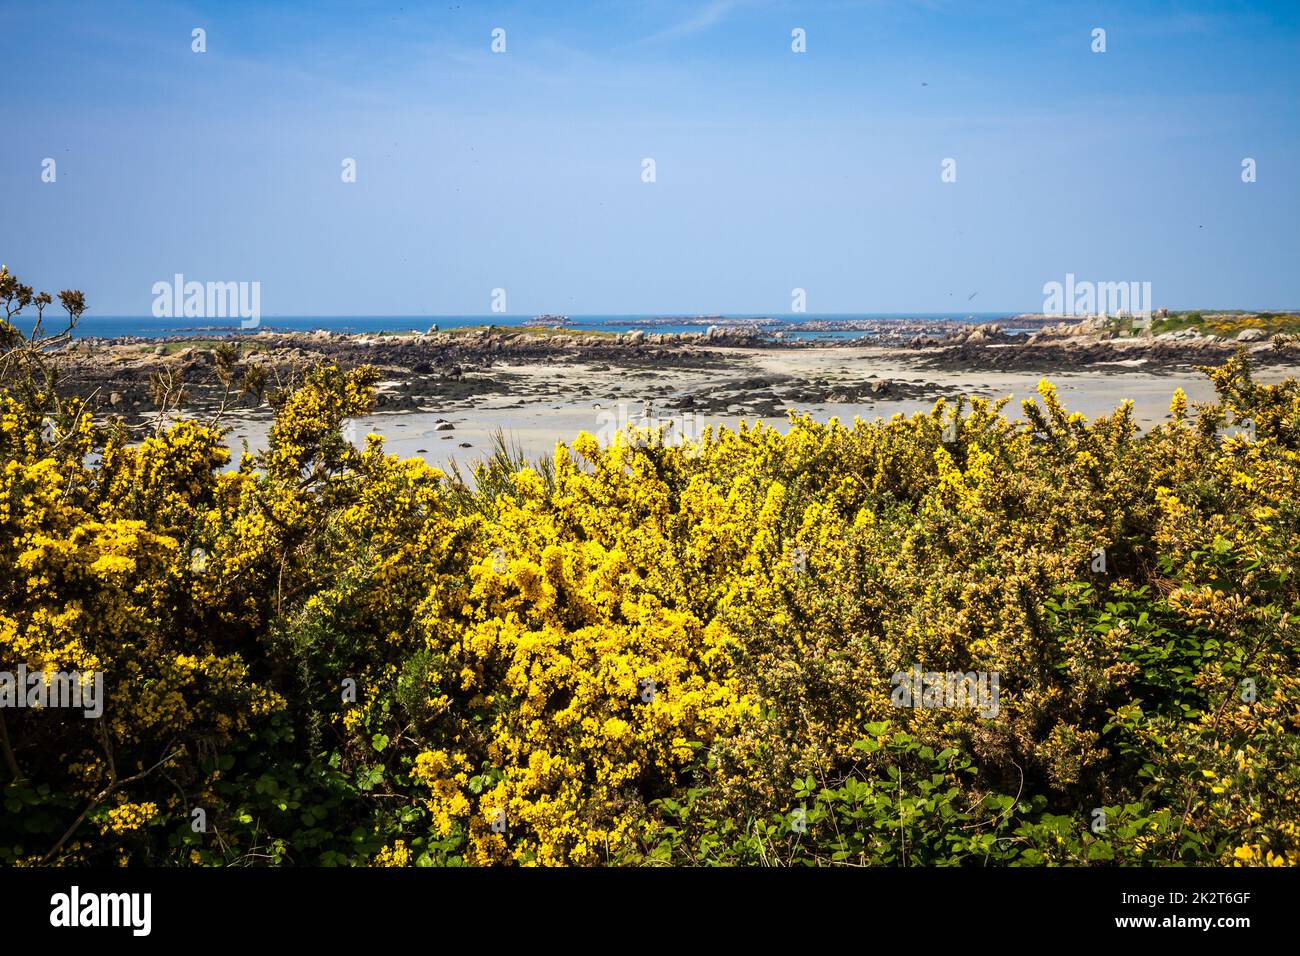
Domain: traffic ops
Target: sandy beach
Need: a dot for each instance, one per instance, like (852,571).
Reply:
(549,403)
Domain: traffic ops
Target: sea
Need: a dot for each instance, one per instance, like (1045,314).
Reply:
(802,326)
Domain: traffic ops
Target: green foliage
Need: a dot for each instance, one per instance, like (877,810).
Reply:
(376,657)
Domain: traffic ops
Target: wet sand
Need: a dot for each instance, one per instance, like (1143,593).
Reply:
(549,403)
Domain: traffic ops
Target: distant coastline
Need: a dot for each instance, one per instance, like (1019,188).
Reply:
(542,385)
(803,325)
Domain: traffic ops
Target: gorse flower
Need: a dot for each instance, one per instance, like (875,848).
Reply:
(615,659)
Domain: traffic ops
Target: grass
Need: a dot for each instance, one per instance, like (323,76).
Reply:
(1222,324)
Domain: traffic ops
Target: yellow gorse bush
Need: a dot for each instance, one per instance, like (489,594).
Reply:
(341,656)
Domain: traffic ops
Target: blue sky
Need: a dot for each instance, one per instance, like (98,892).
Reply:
(774,170)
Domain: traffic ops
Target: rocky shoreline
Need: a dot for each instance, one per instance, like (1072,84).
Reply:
(704,373)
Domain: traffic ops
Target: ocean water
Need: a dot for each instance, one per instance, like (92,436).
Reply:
(112,326)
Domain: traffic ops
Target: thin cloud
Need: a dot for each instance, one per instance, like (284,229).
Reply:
(703,19)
